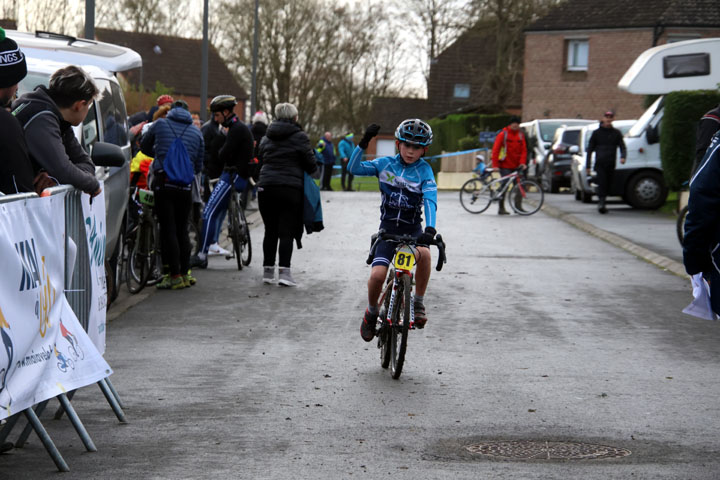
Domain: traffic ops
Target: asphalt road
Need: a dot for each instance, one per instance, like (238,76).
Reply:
(537,331)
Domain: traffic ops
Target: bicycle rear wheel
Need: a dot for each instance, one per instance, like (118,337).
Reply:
(400,327)
(246,246)
(526,197)
(234,229)
(475,196)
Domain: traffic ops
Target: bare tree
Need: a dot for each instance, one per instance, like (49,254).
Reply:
(507,19)
(50,15)
(9,9)
(144,16)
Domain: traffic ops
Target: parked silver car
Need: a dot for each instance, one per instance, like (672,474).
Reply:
(539,135)
(106,120)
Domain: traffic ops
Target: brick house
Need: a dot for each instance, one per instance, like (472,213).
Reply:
(175,62)
(575,55)
(388,112)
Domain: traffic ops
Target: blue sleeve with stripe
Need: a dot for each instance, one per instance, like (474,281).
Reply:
(364,169)
(429,189)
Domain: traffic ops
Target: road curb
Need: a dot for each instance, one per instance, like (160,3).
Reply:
(661,261)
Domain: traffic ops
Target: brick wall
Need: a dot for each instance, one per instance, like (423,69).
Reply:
(549,91)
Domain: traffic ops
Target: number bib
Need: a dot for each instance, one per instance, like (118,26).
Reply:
(404,259)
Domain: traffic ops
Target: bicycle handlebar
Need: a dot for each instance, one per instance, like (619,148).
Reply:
(410,240)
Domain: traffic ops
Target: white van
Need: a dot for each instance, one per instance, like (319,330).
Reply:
(688,65)
(107,118)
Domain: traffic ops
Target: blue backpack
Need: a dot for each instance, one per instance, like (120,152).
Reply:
(177,164)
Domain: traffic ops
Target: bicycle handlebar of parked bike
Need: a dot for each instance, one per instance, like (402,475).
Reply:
(410,240)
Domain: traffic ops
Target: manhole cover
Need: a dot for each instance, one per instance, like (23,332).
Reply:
(541,450)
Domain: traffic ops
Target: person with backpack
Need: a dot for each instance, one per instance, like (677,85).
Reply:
(177,148)
(508,153)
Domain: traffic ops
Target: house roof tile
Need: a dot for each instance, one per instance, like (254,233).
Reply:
(617,14)
(178,63)
(388,112)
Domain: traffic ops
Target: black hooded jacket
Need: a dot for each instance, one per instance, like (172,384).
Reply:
(285,154)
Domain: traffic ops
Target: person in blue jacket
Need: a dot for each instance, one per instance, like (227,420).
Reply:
(173,202)
(326,149)
(701,244)
(407,186)
(345,149)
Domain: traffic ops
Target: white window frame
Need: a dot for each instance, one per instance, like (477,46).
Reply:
(575,54)
(461,88)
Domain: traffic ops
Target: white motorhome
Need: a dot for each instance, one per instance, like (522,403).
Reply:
(688,65)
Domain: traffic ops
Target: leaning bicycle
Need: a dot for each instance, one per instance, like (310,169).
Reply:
(526,196)
(144,264)
(238,229)
(396,317)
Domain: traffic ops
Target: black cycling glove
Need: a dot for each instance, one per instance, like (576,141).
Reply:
(427,236)
(371,131)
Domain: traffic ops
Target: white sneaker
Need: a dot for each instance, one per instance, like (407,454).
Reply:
(268,275)
(285,278)
(216,249)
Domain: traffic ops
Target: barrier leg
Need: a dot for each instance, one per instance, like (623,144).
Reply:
(114,392)
(75,420)
(111,400)
(20,443)
(59,412)
(5,431)
(46,440)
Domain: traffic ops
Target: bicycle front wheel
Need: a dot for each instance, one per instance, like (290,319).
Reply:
(139,264)
(526,197)
(475,196)
(384,333)
(400,327)
(246,246)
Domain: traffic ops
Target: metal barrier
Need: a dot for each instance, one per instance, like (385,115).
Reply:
(78,293)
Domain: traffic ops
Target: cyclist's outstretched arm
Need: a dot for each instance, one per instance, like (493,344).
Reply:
(429,191)
(357,167)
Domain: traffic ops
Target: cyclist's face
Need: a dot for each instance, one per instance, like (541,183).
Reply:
(410,153)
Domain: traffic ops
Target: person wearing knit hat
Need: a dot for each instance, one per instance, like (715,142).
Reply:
(16,169)
(163,99)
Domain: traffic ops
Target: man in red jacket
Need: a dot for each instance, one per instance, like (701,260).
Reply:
(509,152)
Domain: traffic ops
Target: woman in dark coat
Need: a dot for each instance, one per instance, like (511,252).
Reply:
(285,156)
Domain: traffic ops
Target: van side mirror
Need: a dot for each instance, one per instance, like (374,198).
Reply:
(574,149)
(652,134)
(107,155)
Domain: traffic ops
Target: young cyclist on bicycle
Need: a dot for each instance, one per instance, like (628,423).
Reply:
(407,184)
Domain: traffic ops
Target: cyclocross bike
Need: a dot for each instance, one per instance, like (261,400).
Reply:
(526,196)
(144,263)
(238,227)
(397,316)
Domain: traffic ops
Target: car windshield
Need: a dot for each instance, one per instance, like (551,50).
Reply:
(639,127)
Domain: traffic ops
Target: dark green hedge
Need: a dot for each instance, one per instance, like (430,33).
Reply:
(682,112)
(450,131)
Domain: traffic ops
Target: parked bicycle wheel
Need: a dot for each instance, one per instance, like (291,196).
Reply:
(246,246)
(155,258)
(400,327)
(475,196)
(526,197)
(139,264)
(234,229)
(680,225)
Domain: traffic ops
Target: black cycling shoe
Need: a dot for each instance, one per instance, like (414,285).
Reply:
(196,261)
(420,315)
(367,327)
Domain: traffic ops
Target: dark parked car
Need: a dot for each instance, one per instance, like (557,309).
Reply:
(557,171)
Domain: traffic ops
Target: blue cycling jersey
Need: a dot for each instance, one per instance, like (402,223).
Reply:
(405,188)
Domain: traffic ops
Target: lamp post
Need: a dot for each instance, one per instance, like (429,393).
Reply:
(90,19)
(253,93)
(204,66)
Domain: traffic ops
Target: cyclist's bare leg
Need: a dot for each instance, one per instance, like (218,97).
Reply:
(375,283)
(422,271)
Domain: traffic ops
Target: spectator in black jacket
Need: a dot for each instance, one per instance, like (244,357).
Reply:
(709,124)
(285,155)
(16,171)
(702,224)
(604,142)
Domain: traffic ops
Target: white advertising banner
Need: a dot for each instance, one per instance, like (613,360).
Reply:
(94,217)
(44,350)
